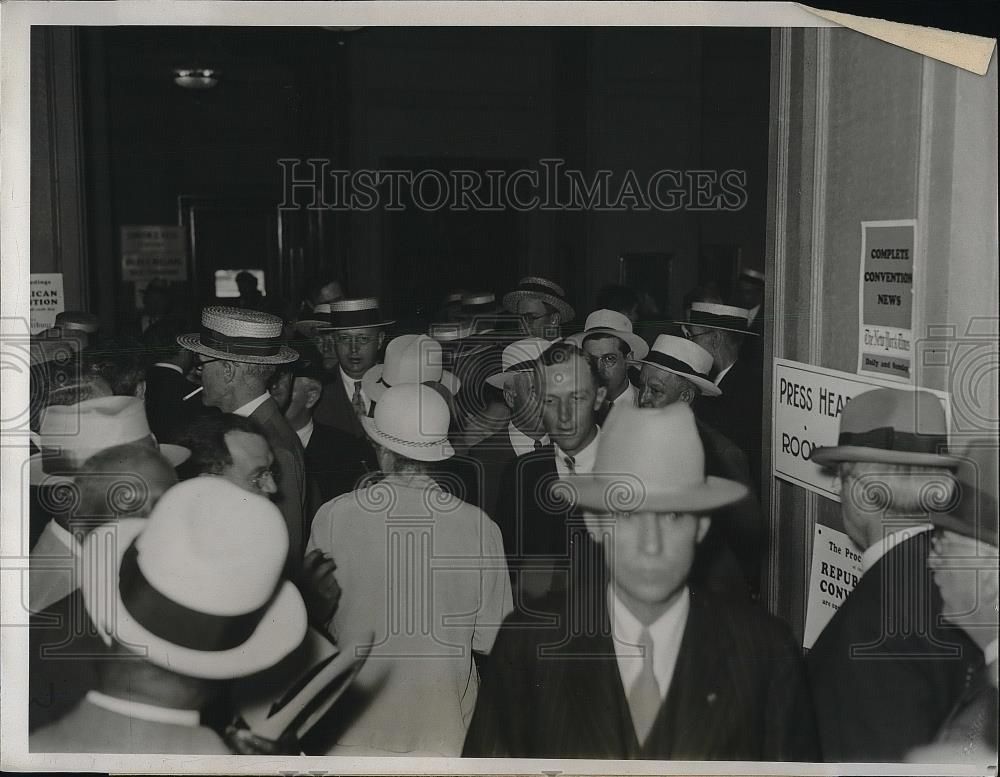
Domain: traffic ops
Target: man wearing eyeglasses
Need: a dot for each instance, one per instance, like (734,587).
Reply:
(357,329)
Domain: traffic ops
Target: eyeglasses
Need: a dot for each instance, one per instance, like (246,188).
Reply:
(609,360)
(201,364)
(361,340)
(693,335)
(263,475)
(529,318)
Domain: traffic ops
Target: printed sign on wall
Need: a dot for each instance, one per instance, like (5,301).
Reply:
(153,252)
(836,568)
(806,405)
(885,299)
(47,300)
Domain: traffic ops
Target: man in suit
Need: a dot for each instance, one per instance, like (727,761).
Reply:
(608,337)
(167,385)
(728,560)
(358,329)
(237,353)
(532,510)
(636,662)
(524,432)
(736,412)
(885,671)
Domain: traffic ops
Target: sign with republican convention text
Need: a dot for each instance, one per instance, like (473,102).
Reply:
(47,300)
(836,569)
(154,251)
(885,299)
(806,404)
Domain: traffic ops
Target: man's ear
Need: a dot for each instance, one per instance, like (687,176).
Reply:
(140,389)
(599,397)
(313,394)
(689,395)
(230,371)
(381,339)
(508,394)
(704,522)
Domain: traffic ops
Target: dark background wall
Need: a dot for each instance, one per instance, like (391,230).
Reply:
(617,99)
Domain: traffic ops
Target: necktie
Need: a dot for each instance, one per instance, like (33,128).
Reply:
(357,400)
(644,697)
(570,464)
(538,445)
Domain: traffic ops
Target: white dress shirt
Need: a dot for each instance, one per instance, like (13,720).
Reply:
(306,432)
(871,556)
(754,311)
(584,460)
(247,410)
(629,396)
(522,443)
(349,382)
(722,374)
(142,711)
(666,633)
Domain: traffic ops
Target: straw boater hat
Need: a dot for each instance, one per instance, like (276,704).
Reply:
(653,460)
(70,434)
(197,587)
(752,276)
(891,426)
(682,357)
(409,359)
(611,322)
(411,420)
(239,335)
(519,356)
(542,289)
(77,320)
(355,314)
(315,319)
(715,316)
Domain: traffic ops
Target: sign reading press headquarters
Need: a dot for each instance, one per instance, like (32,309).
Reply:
(885,299)
(806,405)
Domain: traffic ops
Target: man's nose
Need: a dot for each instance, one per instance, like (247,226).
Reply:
(650,541)
(267,485)
(355,346)
(565,413)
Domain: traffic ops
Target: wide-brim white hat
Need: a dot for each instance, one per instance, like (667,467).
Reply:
(375,387)
(412,420)
(681,357)
(277,634)
(711,315)
(519,356)
(175,454)
(239,335)
(636,344)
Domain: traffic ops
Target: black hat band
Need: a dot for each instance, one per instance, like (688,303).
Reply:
(889,439)
(701,318)
(670,363)
(353,319)
(240,346)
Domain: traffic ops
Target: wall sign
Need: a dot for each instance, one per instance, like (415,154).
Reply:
(47,300)
(805,412)
(154,252)
(885,299)
(836,568)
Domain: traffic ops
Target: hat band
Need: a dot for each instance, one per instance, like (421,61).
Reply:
(523,366)
(175,623)
(887,438)
(701,318)
(670,363)
(59,460)
(87,328)
(349,319)
(240,346)
(538,288)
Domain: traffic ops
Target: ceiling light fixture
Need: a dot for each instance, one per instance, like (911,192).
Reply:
(196,78)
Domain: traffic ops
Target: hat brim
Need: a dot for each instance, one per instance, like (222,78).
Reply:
(279,632)
(706,387)
(326,326)
(973,530)
(592,491)
(511,298)
(192,342)
(374,389)
(438,451)
(175,454)
(638,346)
(746,331)
(834,454)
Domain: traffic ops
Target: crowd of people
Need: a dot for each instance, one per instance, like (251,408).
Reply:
(544,529)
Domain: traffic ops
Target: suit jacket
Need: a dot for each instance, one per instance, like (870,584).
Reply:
(290,459)
(335,409)
(737,413)
(555,691)
(335,461)
(492,456)
(884,672)
(166,411)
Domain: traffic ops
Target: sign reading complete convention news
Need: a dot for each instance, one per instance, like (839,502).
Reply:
(153,252)
(806,405)
(885,299)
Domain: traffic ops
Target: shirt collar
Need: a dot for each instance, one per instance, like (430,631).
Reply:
(247,409)
(722,374)
(891,539)
(666,633)
(753,314)
(305,433)
(583,460)
(169,366)
(520,442)
(628,392)
(151,712)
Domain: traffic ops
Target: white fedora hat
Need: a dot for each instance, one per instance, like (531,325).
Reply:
(682,357)
(611,322)
(712,315)
(239,335)
(197,587)
(519,356)
(652,459)
(409,359)
(68,435)
(542,289)
(412,420)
